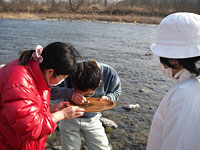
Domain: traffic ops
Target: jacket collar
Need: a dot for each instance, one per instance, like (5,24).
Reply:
(198,78)
(34,68)
(183,74)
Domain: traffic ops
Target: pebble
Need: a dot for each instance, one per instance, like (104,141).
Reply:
(57,148)
(131,106)
(108,123)
(143,90)
(1,65)
(148,53)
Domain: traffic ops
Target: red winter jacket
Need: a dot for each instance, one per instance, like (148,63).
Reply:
(25,118)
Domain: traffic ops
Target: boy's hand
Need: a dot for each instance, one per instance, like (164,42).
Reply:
(78,98)
(104,97)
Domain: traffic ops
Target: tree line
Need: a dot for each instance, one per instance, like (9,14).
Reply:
(111,7)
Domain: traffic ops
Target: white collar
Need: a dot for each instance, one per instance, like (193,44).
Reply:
(198,78)
(183,74)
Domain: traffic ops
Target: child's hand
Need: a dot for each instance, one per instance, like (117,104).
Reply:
(58,106)
(104,97)
(68,113)
(78,98)
(72,112)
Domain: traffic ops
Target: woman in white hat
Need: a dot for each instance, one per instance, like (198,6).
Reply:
(176,123)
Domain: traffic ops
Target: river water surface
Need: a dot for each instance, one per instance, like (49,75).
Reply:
(122,46)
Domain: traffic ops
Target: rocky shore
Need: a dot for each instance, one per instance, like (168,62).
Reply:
(83,17)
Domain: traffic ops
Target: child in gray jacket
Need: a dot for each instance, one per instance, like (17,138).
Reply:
(91,79)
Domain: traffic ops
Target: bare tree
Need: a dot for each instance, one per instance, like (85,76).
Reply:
(1,2)
(105,3)
(75,4)
(1,5)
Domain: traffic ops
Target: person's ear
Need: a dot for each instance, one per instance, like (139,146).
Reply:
(49,72)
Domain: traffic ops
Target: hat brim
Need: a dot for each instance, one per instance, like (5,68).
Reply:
(171,51)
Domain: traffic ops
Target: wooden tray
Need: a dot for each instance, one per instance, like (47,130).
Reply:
(95,105)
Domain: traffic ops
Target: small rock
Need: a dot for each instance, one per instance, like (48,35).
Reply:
(143,90)
(57,148)
(84,148)
(131,106)
(148,53)
(1,65)
(108,129)
(108,123)
(57,143)
(151,107)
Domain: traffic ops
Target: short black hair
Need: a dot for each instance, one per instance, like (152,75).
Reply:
(87,76)
(61,57)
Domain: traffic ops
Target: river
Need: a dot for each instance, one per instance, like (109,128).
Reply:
(122,46)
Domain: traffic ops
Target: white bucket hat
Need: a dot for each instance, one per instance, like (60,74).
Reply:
(178,36)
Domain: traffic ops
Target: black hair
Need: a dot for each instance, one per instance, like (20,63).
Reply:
(87,76)
(25,56)
(191,64)
(166,62)
(58,56)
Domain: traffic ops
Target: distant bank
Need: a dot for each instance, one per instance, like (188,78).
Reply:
(83,17)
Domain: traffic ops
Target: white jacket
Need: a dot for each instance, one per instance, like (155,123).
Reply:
(176,123)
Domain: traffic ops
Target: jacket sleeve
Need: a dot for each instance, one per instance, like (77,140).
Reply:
(114,90)
(24,114)
(58,92)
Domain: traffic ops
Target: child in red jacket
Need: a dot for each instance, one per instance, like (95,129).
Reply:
(25,117)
